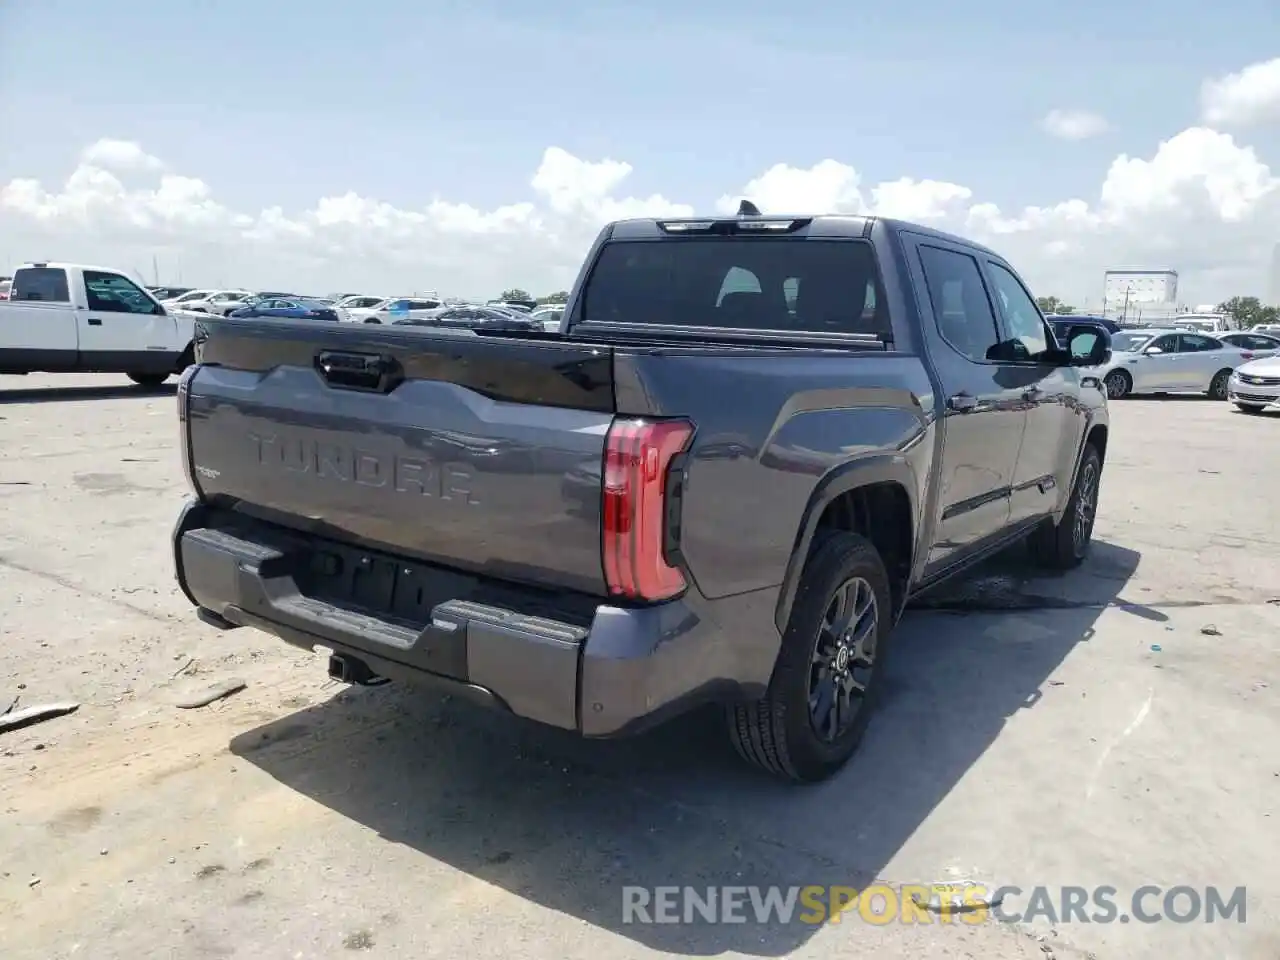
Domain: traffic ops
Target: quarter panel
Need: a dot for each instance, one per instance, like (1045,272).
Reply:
(769,429)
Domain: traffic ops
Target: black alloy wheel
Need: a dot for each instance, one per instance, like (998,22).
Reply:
(844,655)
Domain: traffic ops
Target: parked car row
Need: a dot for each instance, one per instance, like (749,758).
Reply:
(347,307)
(288,308)
(1145,361)
(66,317)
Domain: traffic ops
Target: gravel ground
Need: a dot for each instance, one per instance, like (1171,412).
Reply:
(1116,726)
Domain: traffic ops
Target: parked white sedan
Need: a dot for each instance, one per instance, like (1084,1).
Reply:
(391,310)
(1255,386)
(1255,345)
(1168,361)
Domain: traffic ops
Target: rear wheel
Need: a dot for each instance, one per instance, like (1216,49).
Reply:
(824,685)
(1218,385)
(1118,384)
(149,380)
(1064,545)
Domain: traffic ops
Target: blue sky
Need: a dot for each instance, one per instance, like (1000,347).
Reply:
(282,102)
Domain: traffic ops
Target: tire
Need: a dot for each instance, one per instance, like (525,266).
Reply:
(777,732)
(1118,384)
(372,320)
(1218,385)
(148,380)
(1064,545)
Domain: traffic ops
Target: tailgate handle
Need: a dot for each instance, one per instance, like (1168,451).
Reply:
(359,371)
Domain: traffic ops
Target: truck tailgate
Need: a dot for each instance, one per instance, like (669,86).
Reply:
(474,452)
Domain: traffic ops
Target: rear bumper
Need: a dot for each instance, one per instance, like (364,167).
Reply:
(608,671)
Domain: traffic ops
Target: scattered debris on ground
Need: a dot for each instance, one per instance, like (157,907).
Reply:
(207,695)
(17,719)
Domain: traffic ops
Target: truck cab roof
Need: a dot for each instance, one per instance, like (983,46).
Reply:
(820,225)
(63,265)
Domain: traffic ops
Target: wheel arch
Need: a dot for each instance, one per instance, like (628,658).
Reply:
(1095,435)
(1113,371)
(874,496)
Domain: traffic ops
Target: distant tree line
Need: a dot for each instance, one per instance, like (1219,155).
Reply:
(1249,311)
(517,295)
(1054,305)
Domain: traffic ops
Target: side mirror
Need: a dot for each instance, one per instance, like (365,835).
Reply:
(1088,346)
(1152,351)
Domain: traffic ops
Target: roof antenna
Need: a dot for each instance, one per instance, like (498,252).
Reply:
(748,209)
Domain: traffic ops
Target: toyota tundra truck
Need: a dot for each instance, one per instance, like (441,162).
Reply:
(751,442)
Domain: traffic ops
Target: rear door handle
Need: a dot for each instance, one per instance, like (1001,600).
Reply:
(95,321)
(963,403)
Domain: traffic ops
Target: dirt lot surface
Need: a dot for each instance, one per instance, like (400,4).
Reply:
(1119,726)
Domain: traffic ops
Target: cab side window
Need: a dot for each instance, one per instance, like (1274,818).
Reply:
(1025,328)
(961,306)
(112,293)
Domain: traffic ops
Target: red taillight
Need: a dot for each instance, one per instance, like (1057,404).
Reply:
(637,494)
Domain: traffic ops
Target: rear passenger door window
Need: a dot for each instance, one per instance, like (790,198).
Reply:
(1195,343)
(961,307)
(1025,334)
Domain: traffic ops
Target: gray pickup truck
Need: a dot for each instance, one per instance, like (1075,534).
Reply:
(752,440)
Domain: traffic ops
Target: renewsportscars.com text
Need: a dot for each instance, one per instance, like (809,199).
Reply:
(932,903)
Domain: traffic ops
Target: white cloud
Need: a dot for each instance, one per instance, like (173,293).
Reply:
(1201,203)
(121,156)
(1073,124)
(1248,97)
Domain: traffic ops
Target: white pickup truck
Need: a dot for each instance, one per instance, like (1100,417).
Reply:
(72,318)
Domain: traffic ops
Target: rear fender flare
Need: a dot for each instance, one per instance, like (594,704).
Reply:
(875,468)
